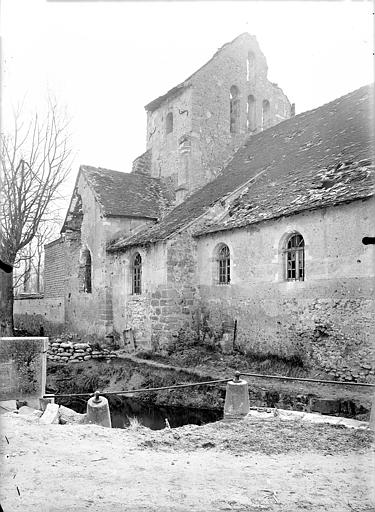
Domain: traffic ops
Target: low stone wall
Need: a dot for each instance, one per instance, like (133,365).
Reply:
(328,325)
(30,314)
(23,369)
(71,350)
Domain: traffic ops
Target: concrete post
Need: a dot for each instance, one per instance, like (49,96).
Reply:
(98,411)
(237,404)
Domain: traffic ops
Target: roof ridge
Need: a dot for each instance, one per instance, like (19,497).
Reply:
(89,168)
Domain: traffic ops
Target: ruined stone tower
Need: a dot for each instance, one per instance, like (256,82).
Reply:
(194,128)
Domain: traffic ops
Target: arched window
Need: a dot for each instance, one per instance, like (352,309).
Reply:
(250,66)
(169,123)
(137,275)
(251,124)
(234,102)
(85,272)
(295,258)
(224,264)
(266,115)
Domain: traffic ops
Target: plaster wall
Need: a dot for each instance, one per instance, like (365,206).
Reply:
(32,313)
(133,313)
(327,319)
(23,369)
(89,313)
(169,297)
(166,158)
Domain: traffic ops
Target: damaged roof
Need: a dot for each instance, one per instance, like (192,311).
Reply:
(317,159)
(123,194)
(293,193)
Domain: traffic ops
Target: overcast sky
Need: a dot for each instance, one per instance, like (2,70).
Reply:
(104,61)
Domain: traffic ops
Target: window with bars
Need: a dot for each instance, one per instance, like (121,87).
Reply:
(224,265)
(137,275)
(295,258)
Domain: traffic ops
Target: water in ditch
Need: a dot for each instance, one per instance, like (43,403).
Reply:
(153,416)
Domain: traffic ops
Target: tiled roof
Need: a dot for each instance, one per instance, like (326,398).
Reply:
(123,194)
(316,159)
(293,193)
(142,164)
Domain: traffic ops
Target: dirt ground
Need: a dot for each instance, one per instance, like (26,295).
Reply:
(253,465)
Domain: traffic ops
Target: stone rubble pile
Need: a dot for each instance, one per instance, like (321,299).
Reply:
(74,351)
(50,413)
(266,413)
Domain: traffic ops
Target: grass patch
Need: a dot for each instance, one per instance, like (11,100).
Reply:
(134,423)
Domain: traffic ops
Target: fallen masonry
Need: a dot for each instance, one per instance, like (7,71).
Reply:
(47,415)
(59,414)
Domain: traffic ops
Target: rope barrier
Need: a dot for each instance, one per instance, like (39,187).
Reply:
(143,390)
(319,381)
(209,383)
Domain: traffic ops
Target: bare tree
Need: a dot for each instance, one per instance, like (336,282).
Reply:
(34,162)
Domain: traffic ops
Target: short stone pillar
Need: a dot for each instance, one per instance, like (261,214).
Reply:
(237,404)
(45,400)
(98,411)
(372,414)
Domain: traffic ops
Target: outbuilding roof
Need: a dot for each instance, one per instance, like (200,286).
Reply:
(123,194)
(317,159)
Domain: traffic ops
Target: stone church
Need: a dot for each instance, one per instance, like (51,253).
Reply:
(239,213)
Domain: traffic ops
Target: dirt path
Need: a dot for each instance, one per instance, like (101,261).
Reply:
(199,469)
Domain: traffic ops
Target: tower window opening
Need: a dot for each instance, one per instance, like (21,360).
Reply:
(250,121)
(266,115)
(169,123)
(234,103)
(250,66)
